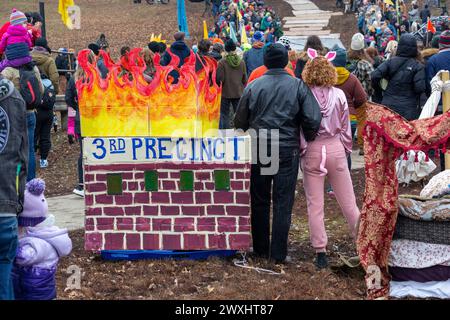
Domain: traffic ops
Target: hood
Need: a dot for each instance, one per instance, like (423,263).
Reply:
(407,46)
(40,56)
(428,53)
(179,46)
(233,60)
(17,30)
(326,98)
(57,237)
(6,88)
(342,74)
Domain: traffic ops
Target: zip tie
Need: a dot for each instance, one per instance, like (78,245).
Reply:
(243,264)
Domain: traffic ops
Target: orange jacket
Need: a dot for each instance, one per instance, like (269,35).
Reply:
(260,71)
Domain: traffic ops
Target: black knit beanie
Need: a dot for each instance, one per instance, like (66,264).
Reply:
(275,56)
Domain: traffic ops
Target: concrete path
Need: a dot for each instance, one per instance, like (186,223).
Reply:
(69,209)
(309,20)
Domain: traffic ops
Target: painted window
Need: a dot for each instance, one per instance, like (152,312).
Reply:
(186,181)
(114,183)
(222,179)
(151,180)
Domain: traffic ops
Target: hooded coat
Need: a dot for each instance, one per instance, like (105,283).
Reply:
(15,34)
(254,57)
(231,73)
(46,65)
(182,51)
(407,79)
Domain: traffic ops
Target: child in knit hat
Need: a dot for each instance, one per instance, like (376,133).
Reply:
(41,244)
(17,31)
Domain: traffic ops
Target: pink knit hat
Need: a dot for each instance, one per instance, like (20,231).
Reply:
(35,207)
(17,17)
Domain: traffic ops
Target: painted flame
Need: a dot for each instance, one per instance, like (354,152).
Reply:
(129,106)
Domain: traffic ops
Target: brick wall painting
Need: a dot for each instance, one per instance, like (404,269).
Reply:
(150,203)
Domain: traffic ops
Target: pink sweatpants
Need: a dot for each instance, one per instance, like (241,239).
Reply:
(327,157)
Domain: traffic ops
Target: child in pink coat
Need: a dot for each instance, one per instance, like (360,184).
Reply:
(326,156)
(17,31)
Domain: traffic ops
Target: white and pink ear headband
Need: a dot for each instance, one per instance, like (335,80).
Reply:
(312,54)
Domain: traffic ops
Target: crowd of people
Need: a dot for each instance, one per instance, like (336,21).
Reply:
(315,99)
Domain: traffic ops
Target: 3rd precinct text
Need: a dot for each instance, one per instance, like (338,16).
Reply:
(225,309)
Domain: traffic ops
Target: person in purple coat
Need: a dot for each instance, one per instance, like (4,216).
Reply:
(41,244)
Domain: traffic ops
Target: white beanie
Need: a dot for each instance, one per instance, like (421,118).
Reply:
(357,42)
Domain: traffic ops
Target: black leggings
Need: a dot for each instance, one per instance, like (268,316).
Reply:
(42,137)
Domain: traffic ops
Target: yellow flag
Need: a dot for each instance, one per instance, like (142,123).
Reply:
(238,13)
(205,30)
(62,10)
(243,36)
(389,2)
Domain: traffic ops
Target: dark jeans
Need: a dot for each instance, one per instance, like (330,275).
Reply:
(225,110)
(42,138)
(8,247)
(80,163)
(31,126)
(282,195)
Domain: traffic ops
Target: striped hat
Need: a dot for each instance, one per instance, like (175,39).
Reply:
(17,17)
(444,40)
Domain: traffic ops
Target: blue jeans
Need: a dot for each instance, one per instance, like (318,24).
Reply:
(8,247)
(31,126)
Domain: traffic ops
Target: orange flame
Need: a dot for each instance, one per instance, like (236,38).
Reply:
(129,106)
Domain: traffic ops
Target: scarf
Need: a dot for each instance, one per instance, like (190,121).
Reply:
(258,45)
(233,60)
(387,135)
(342,74)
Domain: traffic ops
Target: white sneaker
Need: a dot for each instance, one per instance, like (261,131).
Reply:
(43,163)
(79,192)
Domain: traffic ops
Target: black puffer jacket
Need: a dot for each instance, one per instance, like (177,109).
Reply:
(279,101)
(407,79)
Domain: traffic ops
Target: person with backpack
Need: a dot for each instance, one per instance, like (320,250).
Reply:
(406,79)
(27,80)
(13,173)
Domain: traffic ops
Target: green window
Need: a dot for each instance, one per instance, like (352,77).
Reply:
(186,181)
(114,183)
(151,180)
(222,179)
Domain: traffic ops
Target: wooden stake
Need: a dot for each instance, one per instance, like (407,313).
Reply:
(445,76)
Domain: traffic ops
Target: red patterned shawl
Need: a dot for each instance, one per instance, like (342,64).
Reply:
(386,136)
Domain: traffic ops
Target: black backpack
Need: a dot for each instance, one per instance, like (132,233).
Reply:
(29,88)
(49,96)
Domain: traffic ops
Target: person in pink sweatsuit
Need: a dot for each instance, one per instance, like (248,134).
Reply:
(17,31)
(326,156)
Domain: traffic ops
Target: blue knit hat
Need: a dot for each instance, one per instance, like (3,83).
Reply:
(17,51)
(341,57)
(258,36)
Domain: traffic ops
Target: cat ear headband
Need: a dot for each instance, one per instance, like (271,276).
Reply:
(312,54)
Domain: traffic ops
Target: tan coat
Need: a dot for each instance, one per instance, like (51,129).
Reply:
(13,75)
(47,66)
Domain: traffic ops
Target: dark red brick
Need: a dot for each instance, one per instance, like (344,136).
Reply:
(163,175)
(171,242)
(160,197)
(217,241)
(226,224)
(88,200)
(184,224)
(215,210)
(203,197)
(240,241)
(105,224)
(243,197)
(237,185)
(100,177)
(113,211)
(93,241)
(89,178)
(133,211)
(142,197)
(127,176)
(193,210)
(194,242)
(238,210)
(242,175)
(89,224)
(139,176)
(133,241)
(183,197)
(170,210)
(202,175)
(169,185)
(142,224)
(103,199)
(150,210)
(124,224)
(133,186)
(210,186)
(114,241)
(198,186)
(175,175)
(151,241)
(206,224)
(93,211)
(223,197)
(124,200)
(161,224)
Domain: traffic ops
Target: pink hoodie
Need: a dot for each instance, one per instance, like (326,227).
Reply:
(15,34)
(335,116)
